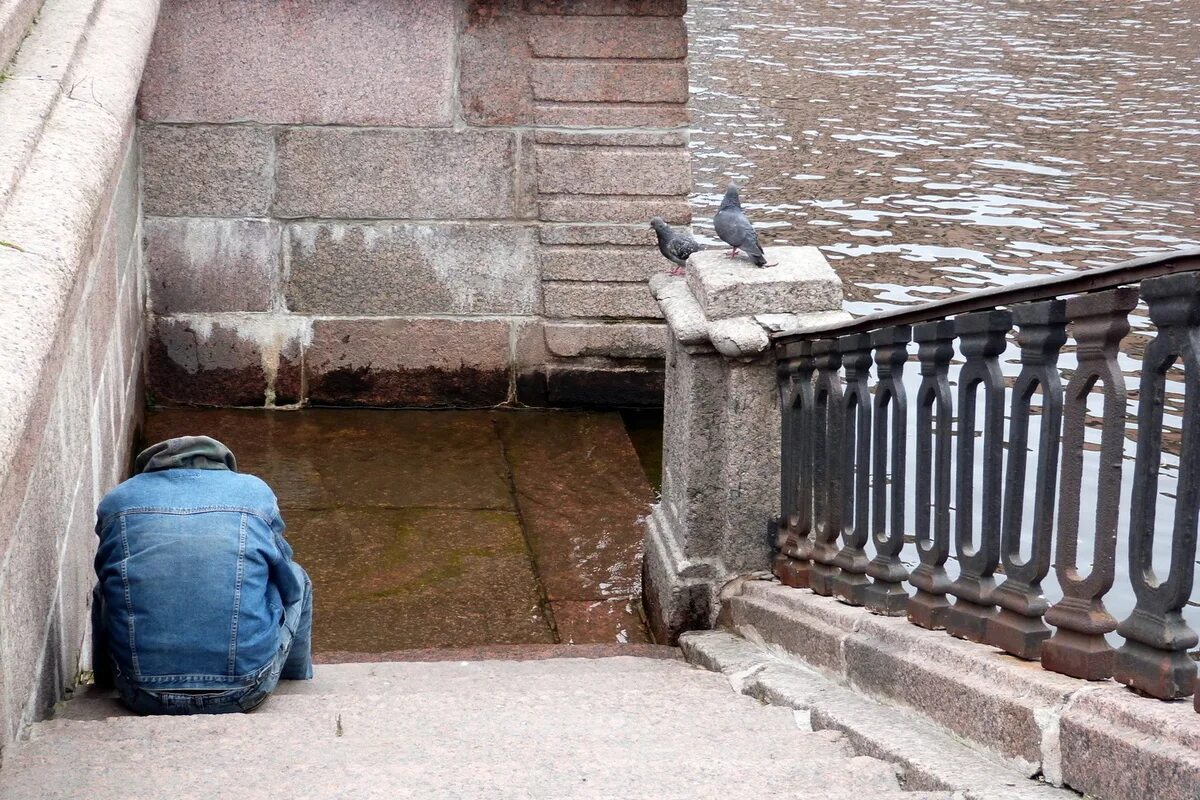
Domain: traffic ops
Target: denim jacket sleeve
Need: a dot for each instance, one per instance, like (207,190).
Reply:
(282,574)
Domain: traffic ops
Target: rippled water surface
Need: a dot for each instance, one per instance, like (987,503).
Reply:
(946,146)
(939,146)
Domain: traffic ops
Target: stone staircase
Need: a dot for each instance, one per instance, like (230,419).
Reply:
(627,727)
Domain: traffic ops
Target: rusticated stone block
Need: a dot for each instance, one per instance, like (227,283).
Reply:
(610,115)
(611,170)
(633,8)
(208,170)
(594,299)
(430,174)
(609,264)
(411,268)
(208,264)
(569,81)
(591,387)
(617,340)
(1116,743)
(205,363)
(408,362)
(352,62)
(613,138)
(526,177)
(608,37)
(494,61)
(597,234)
(617,210)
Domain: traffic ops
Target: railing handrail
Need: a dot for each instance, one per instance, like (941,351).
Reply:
(1089,280)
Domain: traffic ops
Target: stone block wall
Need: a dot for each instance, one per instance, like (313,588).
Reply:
(71,330)
(410,202)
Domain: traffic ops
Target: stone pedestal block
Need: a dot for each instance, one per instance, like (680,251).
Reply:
(721,435)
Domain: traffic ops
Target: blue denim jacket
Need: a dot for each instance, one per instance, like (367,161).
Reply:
(193,570)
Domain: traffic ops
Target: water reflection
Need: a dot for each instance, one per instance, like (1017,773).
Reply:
(930,148)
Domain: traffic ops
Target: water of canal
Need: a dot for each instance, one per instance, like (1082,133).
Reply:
(930,147)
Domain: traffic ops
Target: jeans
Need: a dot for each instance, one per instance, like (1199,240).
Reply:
(292,661)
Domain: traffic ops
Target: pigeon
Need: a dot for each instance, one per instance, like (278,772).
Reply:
(677,247)
(735,230)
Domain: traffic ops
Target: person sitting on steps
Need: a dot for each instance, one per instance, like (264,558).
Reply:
(198,607)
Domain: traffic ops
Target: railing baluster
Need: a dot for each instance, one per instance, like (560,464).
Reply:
(850,583)
(935,407)
(827,454)
(1154,658)
(1098,322)
(1018,628)
(886,594)
(981,339)
(796,491)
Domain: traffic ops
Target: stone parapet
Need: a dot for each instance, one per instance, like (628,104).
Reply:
(412,162)
(71,335)
(721,426)
(1098,738)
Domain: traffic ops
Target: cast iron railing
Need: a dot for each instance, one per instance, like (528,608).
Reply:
(843,523)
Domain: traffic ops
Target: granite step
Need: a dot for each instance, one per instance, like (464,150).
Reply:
(582,728)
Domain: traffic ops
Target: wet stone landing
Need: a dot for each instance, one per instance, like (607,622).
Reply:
(445,529)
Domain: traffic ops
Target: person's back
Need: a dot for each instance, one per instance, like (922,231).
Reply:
(199,607)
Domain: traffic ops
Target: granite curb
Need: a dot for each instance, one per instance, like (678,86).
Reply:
(1095,737)
(929,759)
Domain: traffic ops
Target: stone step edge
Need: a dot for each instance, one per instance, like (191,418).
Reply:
(929,758)
(501,652)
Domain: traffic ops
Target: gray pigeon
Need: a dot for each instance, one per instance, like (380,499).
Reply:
(735,230)
(677,247)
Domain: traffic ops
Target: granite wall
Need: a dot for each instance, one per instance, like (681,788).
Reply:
(71,328)
(410,202)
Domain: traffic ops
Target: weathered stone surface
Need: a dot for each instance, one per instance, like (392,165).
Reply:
(389,579)
(205,363)
(636,8)
(608,115)
(925,755)
(800,281)
(208,170)
(1118,744)
(564,80)
(596,299)
(620,340)
(605,138)
(978,693)
(414,174)
(358,62)
(529,343)
(597,234)
(608,37)
(408,362)
(456,728)
(580,491)
(616,210)
(611,170)
(15,18)
(810,627)
(526,177)
(603,386)
(411,268)
(494,61)
(601,264)
(209,264)
(598,621)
